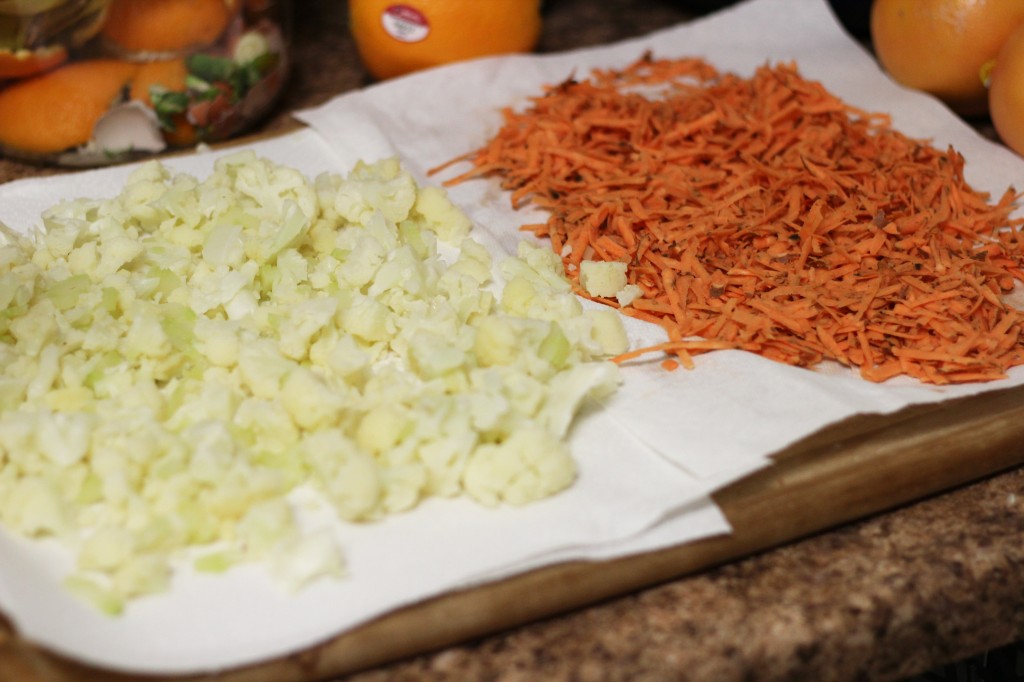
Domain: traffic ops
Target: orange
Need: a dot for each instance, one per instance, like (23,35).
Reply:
(1006,91)
(30,62)
(169,73)
(939,46)
(165,25)
(58,110)
(395,37)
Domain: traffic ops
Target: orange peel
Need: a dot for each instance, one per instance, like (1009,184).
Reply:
(59,109)
(165,25)
(24,63)
(169,73)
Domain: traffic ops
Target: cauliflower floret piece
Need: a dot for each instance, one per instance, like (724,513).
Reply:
(361,264)
(35,328)
(382,428)
(60,238)
(116,253)
(432,354)
(270,185)
(608,331)
(147,573)
(519,296)
(367,318)
(307,558)
(217,340)
(311,403)
(224,245)
(263,367)
(106,548)
(628,294)
(349,476)
(212,451)
(403,486)
(473,261)
(441,216)
(568,389)
(35,507)
(146,336)
(305,320)
(266,425)
(602,278)
(445,460)
(344,357)
(47,368)
(265,526)
(537,264)
(497,341)
(63,438)
(209,289)
(529,465)
(370,188)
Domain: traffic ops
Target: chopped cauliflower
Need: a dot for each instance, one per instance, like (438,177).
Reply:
(176,362)
(531,464)
(602,278)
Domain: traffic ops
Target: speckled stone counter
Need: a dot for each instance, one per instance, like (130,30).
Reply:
(881,599)
(878,600)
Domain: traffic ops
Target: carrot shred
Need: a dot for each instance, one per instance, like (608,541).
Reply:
(765,214)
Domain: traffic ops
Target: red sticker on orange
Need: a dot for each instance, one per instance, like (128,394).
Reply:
(405,23)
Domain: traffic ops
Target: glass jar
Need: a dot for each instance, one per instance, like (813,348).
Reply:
(91,82)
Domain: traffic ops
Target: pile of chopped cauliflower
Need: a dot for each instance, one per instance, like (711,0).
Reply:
(177,360)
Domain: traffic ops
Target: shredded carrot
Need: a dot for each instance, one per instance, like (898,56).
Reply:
(765,214)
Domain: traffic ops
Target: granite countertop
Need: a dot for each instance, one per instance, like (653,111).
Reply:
(880,599)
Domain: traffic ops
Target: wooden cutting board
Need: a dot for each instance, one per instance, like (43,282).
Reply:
(849,470)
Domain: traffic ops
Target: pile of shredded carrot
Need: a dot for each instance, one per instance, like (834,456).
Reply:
(766,214)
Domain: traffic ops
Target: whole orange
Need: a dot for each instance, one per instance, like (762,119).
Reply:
(1006,91)
(939,46)
(395,37)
